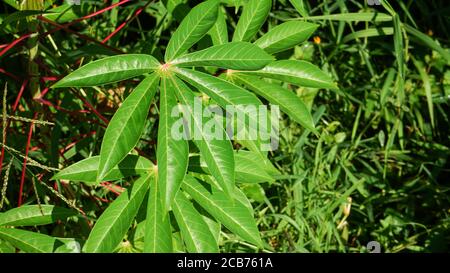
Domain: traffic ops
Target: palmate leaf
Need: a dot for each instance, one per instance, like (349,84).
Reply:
(158,234)
(109,70)
(234,55)
(115,221)
(86,169)
(195,232)
(126,126)
(301,73)
(32,242)
(31,215)
(235,216)
(277,95)
(217,153)
(193,27)
(286,36)
(252,18)
(172,154)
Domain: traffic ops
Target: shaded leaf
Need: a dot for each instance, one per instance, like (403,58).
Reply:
(193,27)
(172,154)
(158,234)
(32,242)
(31,215)
(194,231)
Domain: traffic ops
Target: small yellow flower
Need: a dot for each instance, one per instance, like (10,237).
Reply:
(430,32)
(317,40)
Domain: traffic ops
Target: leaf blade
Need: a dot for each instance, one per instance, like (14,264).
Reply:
(31,215)
(86,169)
(32,242)
(301,73)
(109,70)
(112,225)
(252,18)
(194,230)
(193,27)
(234,55)
(286,36)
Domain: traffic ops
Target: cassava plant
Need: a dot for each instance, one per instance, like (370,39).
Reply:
(193,188)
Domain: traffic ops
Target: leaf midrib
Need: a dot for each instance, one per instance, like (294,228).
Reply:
(222,211)
(204,140)
(174,55)
(100,242)
(116,139)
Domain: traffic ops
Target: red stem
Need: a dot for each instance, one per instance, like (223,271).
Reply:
(9,74)
(15,42)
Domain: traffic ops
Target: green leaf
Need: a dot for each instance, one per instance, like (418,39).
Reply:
(86,169)
(195,232)
(115,221)
(427,86)
(158,234)
(234,55)
(300,73)
(251,20)
(193,27)
(235,216)
(217,153)
(109,70)
(172,154)
(219,31)
(287,100)
(248,167)
(286,36)
(31,215)
(32,242)
(126,126)
(226,94)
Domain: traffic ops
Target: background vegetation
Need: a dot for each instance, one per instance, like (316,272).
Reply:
(378,171)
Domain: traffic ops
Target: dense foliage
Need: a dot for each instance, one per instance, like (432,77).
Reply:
(89,162)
